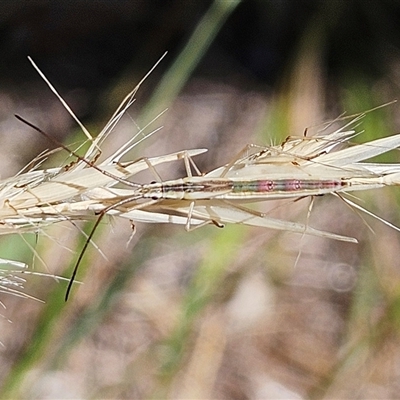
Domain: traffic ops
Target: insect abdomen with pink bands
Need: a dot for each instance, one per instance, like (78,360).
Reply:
(286,185)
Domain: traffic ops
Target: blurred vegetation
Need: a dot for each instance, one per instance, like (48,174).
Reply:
(217,313)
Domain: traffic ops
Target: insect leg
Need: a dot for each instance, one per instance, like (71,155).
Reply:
(239,157)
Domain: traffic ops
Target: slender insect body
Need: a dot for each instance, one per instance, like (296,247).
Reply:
(189,188)
(266,186)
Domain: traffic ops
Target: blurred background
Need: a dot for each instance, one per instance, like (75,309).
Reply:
(231,313)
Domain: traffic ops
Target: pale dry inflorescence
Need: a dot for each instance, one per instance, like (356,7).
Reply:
(299,167)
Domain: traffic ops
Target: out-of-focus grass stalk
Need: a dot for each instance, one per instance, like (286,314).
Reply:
(206,285)
(92,316)
(175,78)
